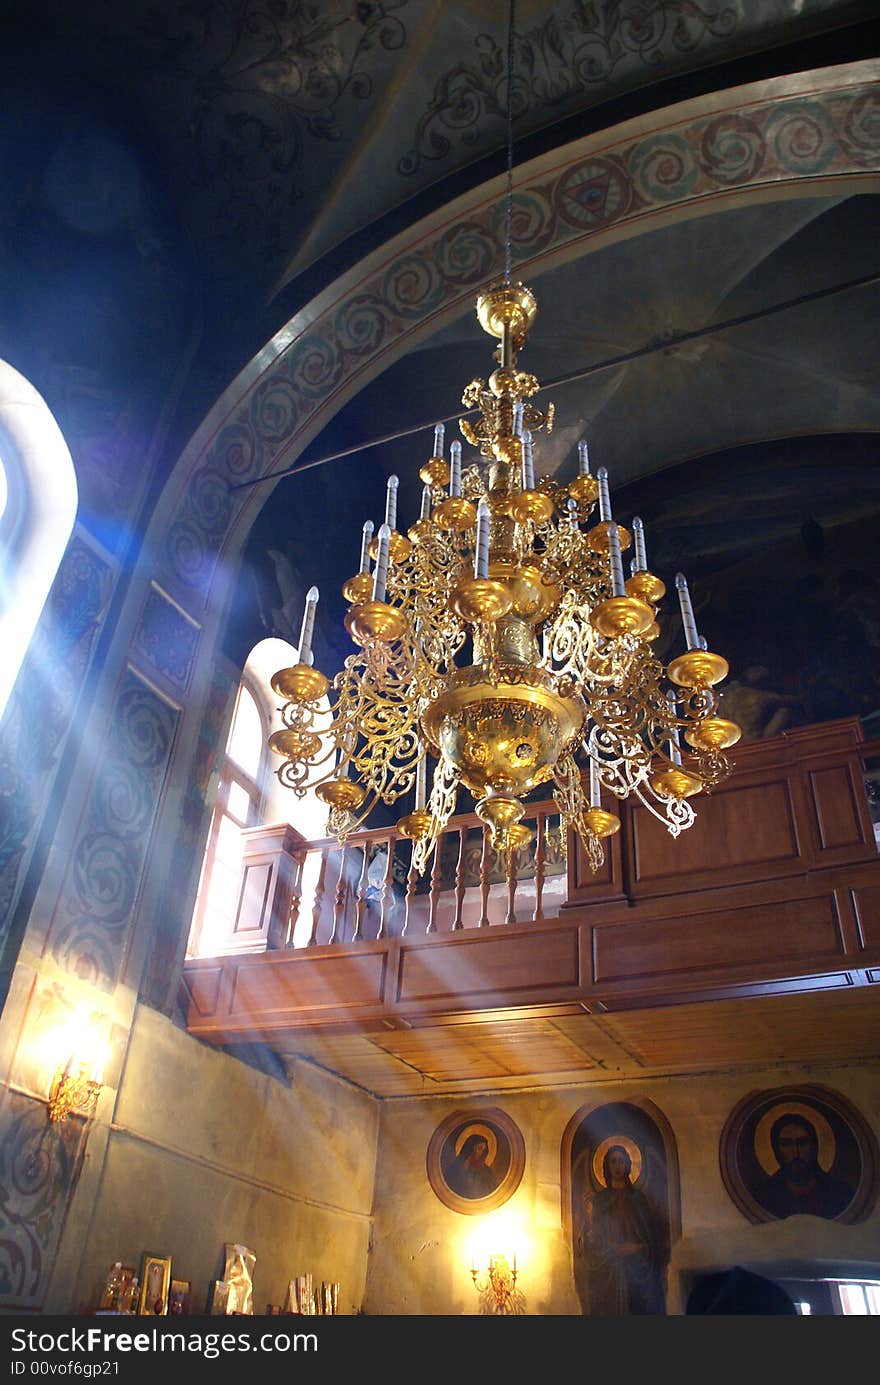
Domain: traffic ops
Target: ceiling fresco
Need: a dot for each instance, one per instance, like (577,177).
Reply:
(280,129)
(174,172)
(751,452)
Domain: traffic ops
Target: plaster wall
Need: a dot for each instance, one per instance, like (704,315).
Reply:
(421,1254)
(201,1149)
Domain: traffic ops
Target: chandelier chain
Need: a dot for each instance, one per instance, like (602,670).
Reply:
(508,220)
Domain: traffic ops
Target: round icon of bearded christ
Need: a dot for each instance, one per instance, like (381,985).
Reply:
(799,1150)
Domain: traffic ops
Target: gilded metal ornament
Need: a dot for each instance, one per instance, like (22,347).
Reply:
(512,653)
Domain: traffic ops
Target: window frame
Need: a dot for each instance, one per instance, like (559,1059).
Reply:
(38,518)
(230,773)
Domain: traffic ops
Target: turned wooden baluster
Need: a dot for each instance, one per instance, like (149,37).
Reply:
(484,881)
(411,882)
(361,905)
(386,895)
(295,899)
(511,886)
(318,904)
(539,869)
(459,877)
(339,900)
(434,896)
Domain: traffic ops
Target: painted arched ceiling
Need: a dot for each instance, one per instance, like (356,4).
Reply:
(283,131)
(183,180)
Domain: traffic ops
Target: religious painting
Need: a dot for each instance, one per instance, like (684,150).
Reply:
(619,1166)
(475,1160)
(799,1150)
(179,1296)
(155,1281)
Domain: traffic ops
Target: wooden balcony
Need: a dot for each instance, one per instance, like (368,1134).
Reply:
(775,889)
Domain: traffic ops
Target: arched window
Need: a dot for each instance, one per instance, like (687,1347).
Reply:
(249,795)
(37,509)
(239,804)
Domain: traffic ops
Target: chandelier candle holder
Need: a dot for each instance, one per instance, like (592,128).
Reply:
(499,639)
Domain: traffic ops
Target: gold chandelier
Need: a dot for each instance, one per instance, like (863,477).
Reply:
(499,639)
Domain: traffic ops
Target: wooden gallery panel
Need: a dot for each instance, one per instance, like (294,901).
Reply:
(781,932)
(839,821)
(738,828)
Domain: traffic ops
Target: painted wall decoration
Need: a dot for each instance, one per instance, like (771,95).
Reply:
(90,929)
(39,1168)
(771,142)
(578,49)
(799,1150)
(619,1180)
(53,676)
(167,637)
(159,986)
(475,1160)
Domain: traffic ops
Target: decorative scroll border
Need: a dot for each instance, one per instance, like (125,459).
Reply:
(692,159)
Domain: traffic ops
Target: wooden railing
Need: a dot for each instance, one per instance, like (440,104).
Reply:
(368,888)
(774,890)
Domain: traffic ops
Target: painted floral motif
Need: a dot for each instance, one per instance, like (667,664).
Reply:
(90,929)
(167,639)
(559,60)
(768,141)
(39,1166)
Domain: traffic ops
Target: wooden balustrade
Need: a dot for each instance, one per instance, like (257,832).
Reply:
(775,888)
(468,884)
(640,862)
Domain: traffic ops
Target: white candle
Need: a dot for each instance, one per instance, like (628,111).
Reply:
(517,418)
(674,741)
(583,459)
(617,587)
(595,787)
(604,496)
(481,555)
(422,781)
(365,546)
(380,572)
(439,434)
(528,463)
(426,503)
(391,502)
(640,562)
(687,612)
(305,634)
(455,467)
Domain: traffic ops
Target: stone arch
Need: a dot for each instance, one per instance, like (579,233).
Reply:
(785,138)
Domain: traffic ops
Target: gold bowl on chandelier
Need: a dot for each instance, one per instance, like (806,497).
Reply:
(498,639)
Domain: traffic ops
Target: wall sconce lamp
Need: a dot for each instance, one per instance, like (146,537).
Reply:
(75,1088)
(496,1284)
(81,1047)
